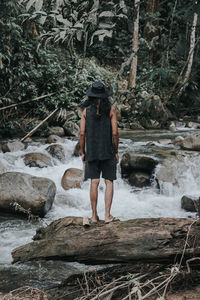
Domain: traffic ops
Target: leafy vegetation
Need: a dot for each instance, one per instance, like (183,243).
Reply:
(62,46)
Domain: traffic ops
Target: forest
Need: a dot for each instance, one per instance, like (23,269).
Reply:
(146,52)
(53,245)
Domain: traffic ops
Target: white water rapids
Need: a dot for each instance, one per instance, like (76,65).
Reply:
(128,202)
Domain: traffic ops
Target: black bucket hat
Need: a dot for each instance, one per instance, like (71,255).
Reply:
(98,90)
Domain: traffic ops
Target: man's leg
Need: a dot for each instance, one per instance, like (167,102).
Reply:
(93,198)
(108,199)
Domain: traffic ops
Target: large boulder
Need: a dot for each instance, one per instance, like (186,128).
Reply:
(190,203)
(138,168)
(39,160)
(27,193)
(2,168)
(71,128)
(54,139)
(167,172)
(72,178)
(145,240)
(191,142)
(12,146)
(56,130)
(56,151)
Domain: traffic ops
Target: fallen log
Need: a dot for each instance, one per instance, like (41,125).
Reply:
(27,101)
(151,240)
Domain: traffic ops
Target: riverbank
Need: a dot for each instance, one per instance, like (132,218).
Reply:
(141,202)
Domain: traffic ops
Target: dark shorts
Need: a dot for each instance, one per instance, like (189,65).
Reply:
(93,169)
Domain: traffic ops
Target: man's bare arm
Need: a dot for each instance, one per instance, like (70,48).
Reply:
(82,134)
(113,116)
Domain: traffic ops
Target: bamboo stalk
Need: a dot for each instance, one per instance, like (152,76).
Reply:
(27,101)
(35,128)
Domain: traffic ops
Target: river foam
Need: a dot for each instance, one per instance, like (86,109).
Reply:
(128,202)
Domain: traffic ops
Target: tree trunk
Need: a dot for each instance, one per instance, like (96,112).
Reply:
(133,70)
(190,55)
(146,240)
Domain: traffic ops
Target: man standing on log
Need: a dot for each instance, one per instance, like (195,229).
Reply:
(99,145)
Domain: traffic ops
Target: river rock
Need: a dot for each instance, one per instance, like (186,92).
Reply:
(56,151)
(2,168)
(71,128)
(54,139)
(139,179)
(193,125)
(77,150)
(13,146)
(29,192)
(137,168)
(137,162)
(167,172)
(178,140)
(39,160)
(146,240)
(56,130)
(72,178)
(191,142)
(190,203)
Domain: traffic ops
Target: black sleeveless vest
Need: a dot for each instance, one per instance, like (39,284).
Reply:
(99,143)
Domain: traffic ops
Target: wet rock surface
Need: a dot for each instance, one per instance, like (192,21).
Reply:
(29,192)
(12,146)
(190,203)
(77,150)
(72,178)
(39,160)
(54,139)
(137,168)
(56,130)
(71,128)
(191,142)
(56,151)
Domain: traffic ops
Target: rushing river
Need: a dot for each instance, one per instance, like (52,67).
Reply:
(128,203)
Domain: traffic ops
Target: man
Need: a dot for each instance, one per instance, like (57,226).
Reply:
(99,145)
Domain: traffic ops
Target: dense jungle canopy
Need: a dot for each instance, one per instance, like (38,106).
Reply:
(147,52)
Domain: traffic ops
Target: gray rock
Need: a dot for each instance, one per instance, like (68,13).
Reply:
(167,172)
(137,168)
(77,150)
(139,179)
(56,151)
(2,168)
(56,130)
(71,128)
(190,203)
(13,146)
(178,140)
(191,142)
(54,139)
(193,125)
(28,192)
(72,178)
(137,162)
(39,160)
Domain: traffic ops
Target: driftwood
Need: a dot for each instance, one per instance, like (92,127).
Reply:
(40,124)
(27,101)
(150,240)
